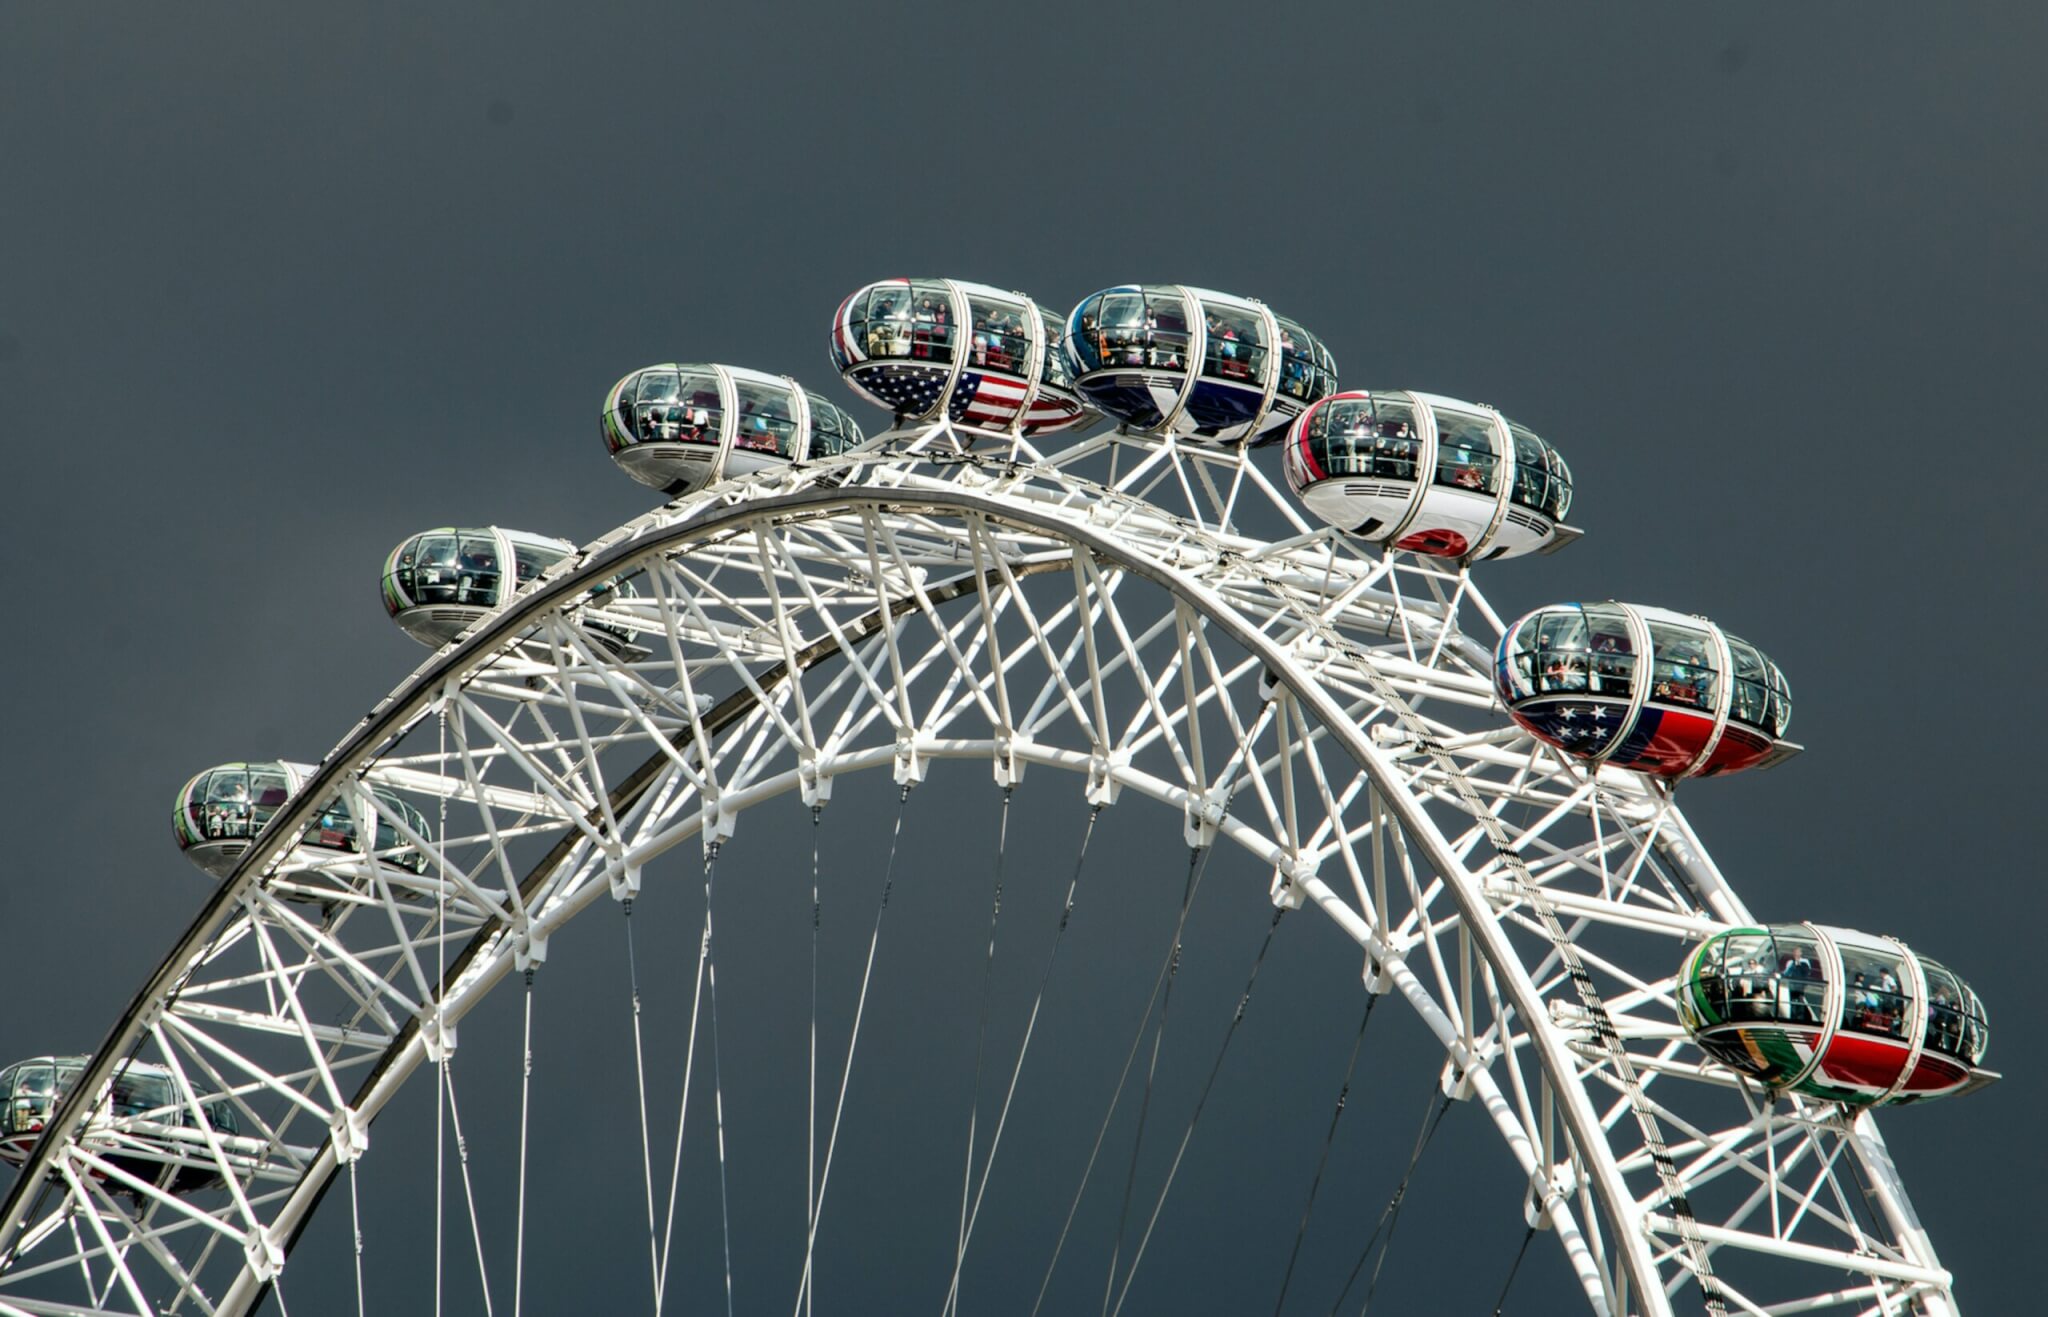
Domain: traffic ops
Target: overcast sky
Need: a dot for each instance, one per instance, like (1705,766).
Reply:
(280,286)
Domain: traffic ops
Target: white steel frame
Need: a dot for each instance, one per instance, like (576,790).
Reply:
(945,595)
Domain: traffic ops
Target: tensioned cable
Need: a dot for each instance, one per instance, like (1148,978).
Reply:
(1432,1116)
(1145,1101)
(1023,1048)
(811,1113)
(1520,1253)
(525,1106)
(988,969)
(1187,1135)
(1323,1158)
(1197,862)
(468,1190)
(675,1172)
(640,1078)
(853,1040)
(717,1079)
(355,1212)
(440,1026)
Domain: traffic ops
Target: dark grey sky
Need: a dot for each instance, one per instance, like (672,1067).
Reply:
(278,288)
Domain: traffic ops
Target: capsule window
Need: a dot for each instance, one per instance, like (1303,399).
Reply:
(999,339)
(33,1095)
(1053,370)
(1166,329)
(1237,345)
(1464,451)
(1682,671)
(1874,999)
(932,331)
(530,560)
(1751,700)
(1305,370)
(477,570)
(765,423)
(1560,487)
(1532,470)
(143,1095)
(1611,662)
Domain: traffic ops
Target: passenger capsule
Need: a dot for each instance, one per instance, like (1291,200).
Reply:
(1430,475)
(437,584)
(681,427)
(144,1100)
(976,355)
(1643,688)
(222,809)
(1185,361)
(1837,1015)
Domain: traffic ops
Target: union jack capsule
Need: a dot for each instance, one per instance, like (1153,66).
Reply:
(678,428)
(439,583)
(220,811)
(142,1124)
(1430,475)
(1644,688)
(1200,365)
(1833,1014)
(974,355)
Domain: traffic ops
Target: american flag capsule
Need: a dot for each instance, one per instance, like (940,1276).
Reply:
(679,427)
(220,811)
(1644,688)
(1201,365)
(975,355)
(439,583)
(1833,1014)
(1430,475)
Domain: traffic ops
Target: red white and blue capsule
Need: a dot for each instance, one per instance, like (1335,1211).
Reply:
(1201,365)
(1430,475)
(680,427)
(1645,689)
(974,355)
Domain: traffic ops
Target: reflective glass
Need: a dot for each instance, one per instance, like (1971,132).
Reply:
(931,321)
(476,570)
(1948,1011)
(1613,663)
(531,560)
(1875,1000)
(1532,470)
(1750,968)
(1682,670)
(1237,344)
(1560,487)
(434,571)
(1366,436)
(1801,982)
(135,1095)
(766,424)
(1166,328)
(1464,451)
(1001,339)
(1751,700)
(34,1095)
(881,323)
(1054,370)
(1306,372)
(1781,701)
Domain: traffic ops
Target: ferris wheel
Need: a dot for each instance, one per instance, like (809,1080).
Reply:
(1070,574)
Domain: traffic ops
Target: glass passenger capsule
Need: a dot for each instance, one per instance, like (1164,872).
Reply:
(678,428)
(437,584)
(976,355)
(1186,361)
(1833,1014)
(1430,475)
(222,809)
(142,1097)
(1644,688)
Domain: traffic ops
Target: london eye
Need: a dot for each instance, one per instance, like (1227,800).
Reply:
(1070,570)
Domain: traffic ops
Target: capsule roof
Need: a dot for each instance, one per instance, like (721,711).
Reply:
(1208,366)
(222,809)
(1833,1014)
(679,427)
(1430,475)
(975,355)
(1644,688)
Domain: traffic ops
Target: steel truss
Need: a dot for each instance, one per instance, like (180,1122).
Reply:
(946,596)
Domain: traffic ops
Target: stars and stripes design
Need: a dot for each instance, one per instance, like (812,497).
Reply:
(907,389)
(993,401)
(1577,727)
